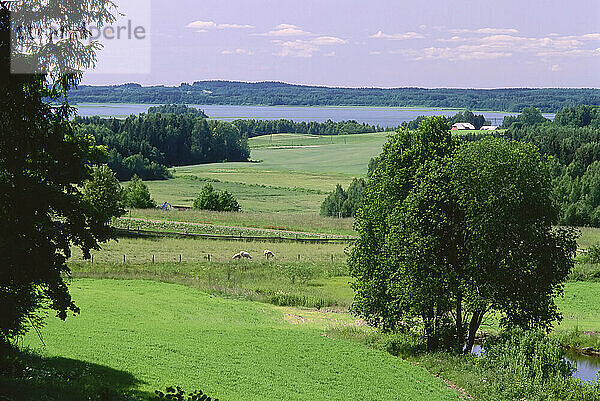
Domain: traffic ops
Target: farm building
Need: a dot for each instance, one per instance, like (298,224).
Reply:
(489,128)
(462,126)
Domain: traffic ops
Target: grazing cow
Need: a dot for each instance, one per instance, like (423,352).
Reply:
(269,254)
(237,256)
(245,254)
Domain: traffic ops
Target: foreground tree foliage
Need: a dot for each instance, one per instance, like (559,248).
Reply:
(43,162)
(450,232)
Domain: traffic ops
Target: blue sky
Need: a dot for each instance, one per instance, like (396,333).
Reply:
(383,43)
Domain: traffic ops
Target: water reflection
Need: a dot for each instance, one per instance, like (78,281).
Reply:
(586,367)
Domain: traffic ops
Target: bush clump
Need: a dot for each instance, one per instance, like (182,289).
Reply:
(177,394)
(137,195)
(220,201)
(341,203)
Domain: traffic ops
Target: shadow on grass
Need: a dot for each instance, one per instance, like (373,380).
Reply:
(28,376)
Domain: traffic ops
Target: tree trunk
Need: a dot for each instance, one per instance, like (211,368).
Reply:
(430,331)
(459,324)
(476,320)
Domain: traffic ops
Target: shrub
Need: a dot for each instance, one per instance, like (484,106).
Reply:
(220,201)
(341,203)
(177,394)
(593,255)
(530,365)
(137,195)
(530,353)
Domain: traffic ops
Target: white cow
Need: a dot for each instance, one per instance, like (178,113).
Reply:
(269,254)
(245,254)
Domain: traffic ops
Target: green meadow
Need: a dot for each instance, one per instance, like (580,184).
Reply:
(165,334)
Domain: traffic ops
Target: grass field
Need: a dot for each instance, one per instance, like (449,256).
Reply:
(288,180)
(164,334)
(252,198)
(580,307)
(289,221)
(312,280)
(299,275)
(195,250)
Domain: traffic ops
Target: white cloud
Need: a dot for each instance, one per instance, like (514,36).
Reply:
(398,36)
(375,53)
(296,48)
(487,31)
(555,68)
(238,52)
(328,40)
(204,26)
(499,45)
(454,39)
(306,48)
(234,26)
(459,53)
(286,26)
(285,30)
(201,24)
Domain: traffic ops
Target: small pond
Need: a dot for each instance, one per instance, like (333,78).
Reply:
(587,367)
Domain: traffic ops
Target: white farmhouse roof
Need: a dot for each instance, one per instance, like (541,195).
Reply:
(463,126)
(489,127)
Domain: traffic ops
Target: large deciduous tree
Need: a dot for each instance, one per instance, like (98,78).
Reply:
(43,159)
(452,232)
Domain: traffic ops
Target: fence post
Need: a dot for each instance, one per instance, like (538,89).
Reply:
(298,256)
(92,258)
(179,258)
(123,258)
(152,258)
(331,258)
(208,256)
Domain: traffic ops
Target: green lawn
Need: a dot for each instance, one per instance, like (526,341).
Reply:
(165,334)
(589,236)
(580,306)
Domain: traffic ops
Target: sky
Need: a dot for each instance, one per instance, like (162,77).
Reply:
(375,43)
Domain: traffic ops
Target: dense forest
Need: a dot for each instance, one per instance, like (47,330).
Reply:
(252,128)
(573,141)
(147,144)
(548,100)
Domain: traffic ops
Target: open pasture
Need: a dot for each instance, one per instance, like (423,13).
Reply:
(164,334)
(253,198)
(338,156)
(139,251)
(289,221)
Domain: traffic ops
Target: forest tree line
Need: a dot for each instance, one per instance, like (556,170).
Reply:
(573,141)
(548,100)
(252,128)
(147,144)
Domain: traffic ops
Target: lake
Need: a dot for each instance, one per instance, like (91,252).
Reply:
(382,116)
